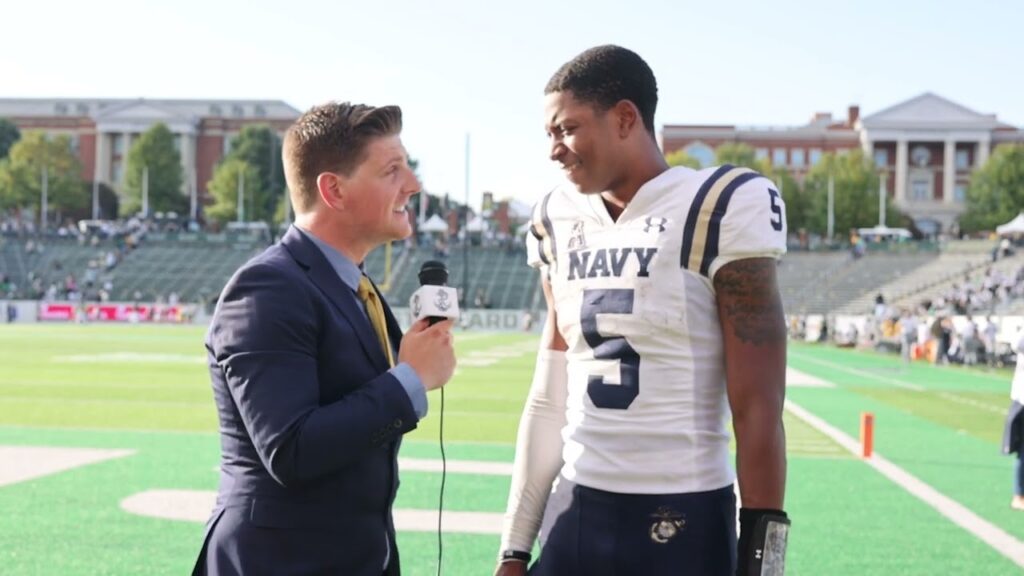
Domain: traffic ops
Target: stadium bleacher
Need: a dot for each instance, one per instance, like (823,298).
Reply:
(195,268)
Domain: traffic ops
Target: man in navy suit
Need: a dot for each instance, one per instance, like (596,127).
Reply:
(312,403)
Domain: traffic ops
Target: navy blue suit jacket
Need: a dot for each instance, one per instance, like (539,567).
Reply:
(310,423)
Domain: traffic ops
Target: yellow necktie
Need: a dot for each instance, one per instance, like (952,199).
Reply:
(375,310)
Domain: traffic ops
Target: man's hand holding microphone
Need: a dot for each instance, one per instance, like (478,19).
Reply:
(427,345)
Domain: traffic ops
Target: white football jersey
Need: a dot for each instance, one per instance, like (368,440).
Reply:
(647,410)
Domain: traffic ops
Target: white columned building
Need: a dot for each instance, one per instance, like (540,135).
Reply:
(935,145)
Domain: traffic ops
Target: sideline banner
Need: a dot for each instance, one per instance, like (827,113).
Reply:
(114,312)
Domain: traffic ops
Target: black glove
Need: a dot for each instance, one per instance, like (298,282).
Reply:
(762,545)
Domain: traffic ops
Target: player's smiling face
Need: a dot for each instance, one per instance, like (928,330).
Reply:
(581,138)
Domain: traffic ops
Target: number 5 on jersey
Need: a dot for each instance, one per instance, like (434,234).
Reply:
(604,395)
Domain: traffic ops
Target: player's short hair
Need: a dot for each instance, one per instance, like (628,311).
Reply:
(332,137)
(604,75)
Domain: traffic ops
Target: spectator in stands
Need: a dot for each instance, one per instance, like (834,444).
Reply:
(942,335)
(908,334)
(969,342)
(879,306)
(1013,433)
(988,338)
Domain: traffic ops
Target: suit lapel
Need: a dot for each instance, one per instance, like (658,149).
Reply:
(344,299)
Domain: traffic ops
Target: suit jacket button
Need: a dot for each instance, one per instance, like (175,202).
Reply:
(397,423)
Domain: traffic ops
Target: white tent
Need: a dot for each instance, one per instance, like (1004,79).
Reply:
(434,224)
(1015,226)
(884,233)
(477,224)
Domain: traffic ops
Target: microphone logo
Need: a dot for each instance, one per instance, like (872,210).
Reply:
(442,302)
(417,306)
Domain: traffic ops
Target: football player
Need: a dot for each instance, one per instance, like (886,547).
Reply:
(664,319)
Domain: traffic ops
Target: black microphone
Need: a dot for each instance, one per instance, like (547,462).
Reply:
(434,273)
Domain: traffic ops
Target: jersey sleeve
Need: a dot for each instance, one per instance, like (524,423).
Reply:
(540,238)
(752,225)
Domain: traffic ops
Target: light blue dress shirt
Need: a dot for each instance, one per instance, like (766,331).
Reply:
(350,274)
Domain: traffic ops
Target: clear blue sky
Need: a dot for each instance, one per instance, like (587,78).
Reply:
(479,67)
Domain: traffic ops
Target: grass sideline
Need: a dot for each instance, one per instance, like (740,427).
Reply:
(145,388)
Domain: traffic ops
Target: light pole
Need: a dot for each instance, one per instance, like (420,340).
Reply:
(44,191)
(241,194)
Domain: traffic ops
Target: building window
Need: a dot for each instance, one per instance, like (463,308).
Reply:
(73,144)
(237,110)
(227,144)
(115,171)
(815,156)
(963,160)
(117,144)
(702,153)
(60,108)
(82,109)
(177,143)
(920,190)
(760,154)
(796,157)
(259,111)
(778,157)
(881,158)
(215,110)
(960,192)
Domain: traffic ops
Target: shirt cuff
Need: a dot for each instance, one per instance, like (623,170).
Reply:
(409,380)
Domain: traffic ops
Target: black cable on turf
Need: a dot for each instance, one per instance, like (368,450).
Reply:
(440,498)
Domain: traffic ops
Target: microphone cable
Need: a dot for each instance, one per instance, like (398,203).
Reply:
(440,498)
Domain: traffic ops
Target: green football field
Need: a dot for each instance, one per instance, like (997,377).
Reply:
(108,447)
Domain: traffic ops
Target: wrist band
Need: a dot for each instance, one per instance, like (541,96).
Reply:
(516,555)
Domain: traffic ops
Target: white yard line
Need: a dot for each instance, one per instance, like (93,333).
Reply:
(196,506)
(795,378)
(21,463)
(866,374)
(984,530)
(456,466)
(971,402)
(900,383)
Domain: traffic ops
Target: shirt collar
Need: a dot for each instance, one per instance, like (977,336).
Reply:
(345,268)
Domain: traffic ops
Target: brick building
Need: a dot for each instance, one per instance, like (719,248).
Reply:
(102,130)
(925,149)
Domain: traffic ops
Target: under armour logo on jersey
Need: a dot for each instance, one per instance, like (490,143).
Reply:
(576,238)
(653,222)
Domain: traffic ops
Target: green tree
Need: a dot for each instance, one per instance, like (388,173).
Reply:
(260,147)
(739,154)
(21,175)
(9,134)
(154,154)
(681,158)
(996,193)
(855,194)
(224,188)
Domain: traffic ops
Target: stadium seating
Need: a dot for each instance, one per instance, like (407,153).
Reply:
(499,275)
(821,282)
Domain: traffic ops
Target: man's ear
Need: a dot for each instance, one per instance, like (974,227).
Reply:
(627,117)
(331,189)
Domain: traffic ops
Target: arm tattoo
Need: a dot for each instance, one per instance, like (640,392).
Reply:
(748,300)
